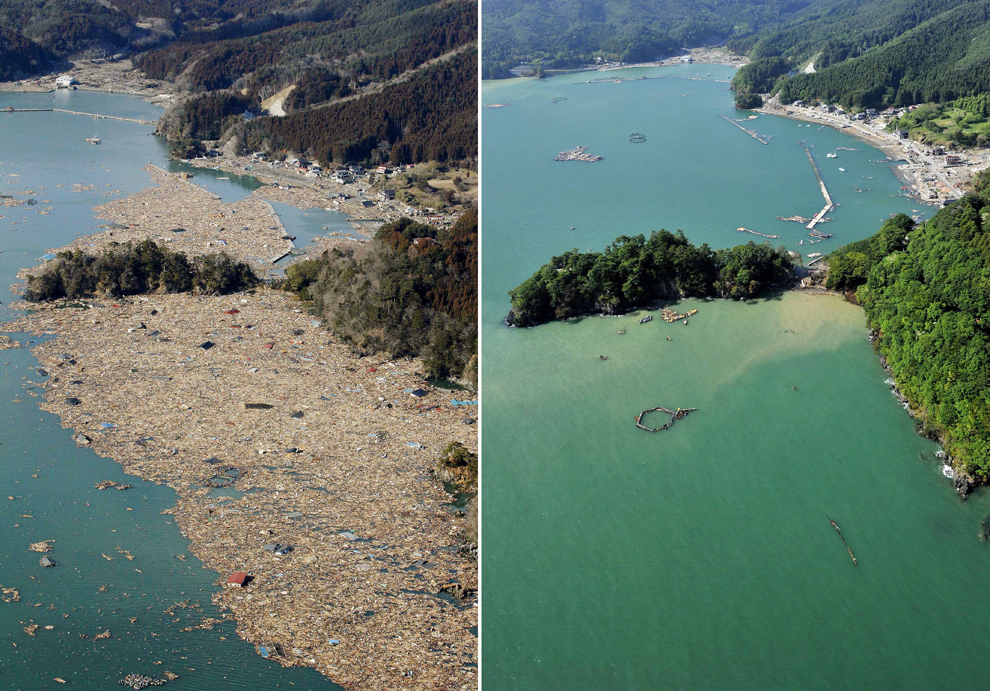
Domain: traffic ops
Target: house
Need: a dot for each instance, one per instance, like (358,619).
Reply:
(687,59)
(367,203)
(418,393)
(871,112)
(64,81)
(386,195)
(237,579)
(901,134)
(357,170)
(953,160)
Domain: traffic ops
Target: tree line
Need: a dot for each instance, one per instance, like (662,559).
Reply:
(133,269)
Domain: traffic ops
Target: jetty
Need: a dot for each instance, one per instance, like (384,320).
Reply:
(674,415)
(821,183)
(762,235)
(848,549)
(752,133)
(77,112)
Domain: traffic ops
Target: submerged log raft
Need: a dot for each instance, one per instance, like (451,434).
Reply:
(674,415)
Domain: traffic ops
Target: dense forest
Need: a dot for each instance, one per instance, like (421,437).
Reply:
(636,271)
(132,269)
(939,60)
(432,117)
(758,77)
(924,291)
(20,56)
(569,33)
(412,291)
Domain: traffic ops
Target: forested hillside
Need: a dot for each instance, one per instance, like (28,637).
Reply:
(432,117)
(924,289)
(568,33)
(364,80)
(412,291)
(940,60)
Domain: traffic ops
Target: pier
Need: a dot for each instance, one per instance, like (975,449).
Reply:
(76,112)
(821,183)
(752,133)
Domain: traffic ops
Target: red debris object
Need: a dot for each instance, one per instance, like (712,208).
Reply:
(269,346)
(372,369)
(232,311)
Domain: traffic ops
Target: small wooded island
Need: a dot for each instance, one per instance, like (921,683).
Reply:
(636,271)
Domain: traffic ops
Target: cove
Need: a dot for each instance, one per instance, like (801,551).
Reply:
(701,557)
(47,485)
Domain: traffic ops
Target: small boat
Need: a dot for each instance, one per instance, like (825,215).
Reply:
(685,322)
(832,155)
(93,140)
(842,170)
(647,318)
(621,332)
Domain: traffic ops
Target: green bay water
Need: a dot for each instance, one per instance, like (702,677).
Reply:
(47,484)
(702,557)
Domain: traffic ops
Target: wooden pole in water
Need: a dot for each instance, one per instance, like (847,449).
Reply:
(848,548)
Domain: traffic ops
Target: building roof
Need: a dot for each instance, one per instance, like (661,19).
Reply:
(237,578)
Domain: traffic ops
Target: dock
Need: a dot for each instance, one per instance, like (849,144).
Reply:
(76,112)
(752,133)
(821,183)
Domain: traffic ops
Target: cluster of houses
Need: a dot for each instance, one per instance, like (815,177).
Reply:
(343,175)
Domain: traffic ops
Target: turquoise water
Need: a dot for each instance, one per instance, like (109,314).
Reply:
(701,557)
(47,477)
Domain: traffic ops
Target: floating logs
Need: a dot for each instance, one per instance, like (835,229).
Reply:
(747,230)
(637,138)
(674,415)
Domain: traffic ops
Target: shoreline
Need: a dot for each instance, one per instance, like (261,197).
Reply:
(927,179)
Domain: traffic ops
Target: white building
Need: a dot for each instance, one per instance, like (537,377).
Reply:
(64,81)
